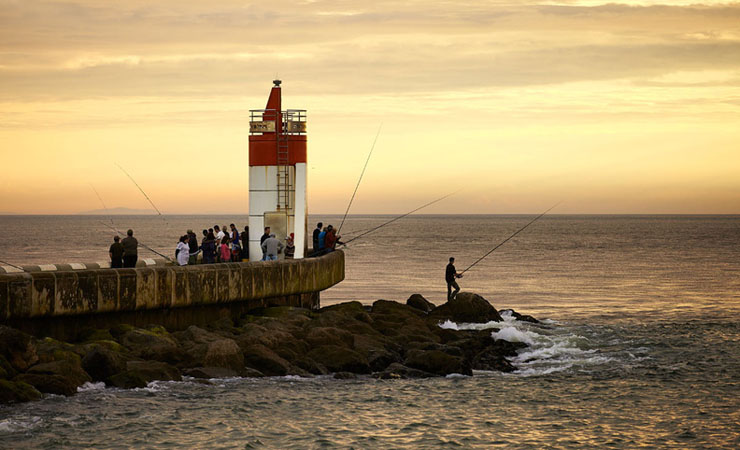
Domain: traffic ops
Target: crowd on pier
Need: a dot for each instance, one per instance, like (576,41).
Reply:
(222,244)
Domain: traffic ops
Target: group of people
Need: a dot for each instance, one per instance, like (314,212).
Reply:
(272,247)
(218,244)
(124,252)
(325,239)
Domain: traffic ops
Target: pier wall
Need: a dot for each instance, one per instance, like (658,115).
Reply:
(62,303)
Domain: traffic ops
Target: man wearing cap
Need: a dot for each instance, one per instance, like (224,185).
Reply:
(450,275)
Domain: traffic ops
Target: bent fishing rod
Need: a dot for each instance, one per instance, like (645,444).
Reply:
(361,175)
(400,217)
(509,238)
(12,265)
(140,243)
(145,196)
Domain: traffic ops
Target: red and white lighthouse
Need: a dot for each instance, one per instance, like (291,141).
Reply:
(277,174)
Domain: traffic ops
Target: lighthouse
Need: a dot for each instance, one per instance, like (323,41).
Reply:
(277,174)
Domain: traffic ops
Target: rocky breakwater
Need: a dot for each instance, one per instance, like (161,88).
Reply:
(387,340)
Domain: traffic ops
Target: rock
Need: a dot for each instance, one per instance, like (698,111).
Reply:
(224,353)
(339,359)
(319,336)
(395,309)
(211,372)
(419,302)
(345,376)
(397,370)
(49,350)
(436,362)
(520,317)
(311,366)
(17,348)
(6,370)
(492,359)
(17,392)
(56,377)
(139,373)
(259,357)
(466,307)
(151,345)
(101,363)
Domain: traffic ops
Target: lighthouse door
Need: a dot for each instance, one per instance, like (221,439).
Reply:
(278,223)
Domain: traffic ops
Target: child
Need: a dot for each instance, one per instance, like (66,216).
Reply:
(225,252)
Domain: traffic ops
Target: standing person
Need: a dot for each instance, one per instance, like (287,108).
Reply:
(225,252)
(316,233)
(236,249)
(290,246)
(271,247)
(322,241)
(208,246)
(130,249)
(116,253)
(450,275)
(219,237)
(194,249)
(262,241)
(182,251)
(245,243)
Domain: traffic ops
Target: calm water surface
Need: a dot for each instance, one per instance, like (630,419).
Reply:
(640,345)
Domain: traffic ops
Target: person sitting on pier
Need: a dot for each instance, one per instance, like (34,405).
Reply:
(182,251)
(116,253)
(271,247)
(130,249)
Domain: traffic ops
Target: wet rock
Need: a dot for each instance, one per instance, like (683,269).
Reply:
(139,373)
(101,363)
(339,359)
(259,357)
(17,348)
(466,307)
(419,302)
(6,370)
(211,372)
(520,317)
(17,392)
(345,376)
(437,362)
(49,349)
(398,371)
(311,366)
(224,353)
(492,359)
(56,377)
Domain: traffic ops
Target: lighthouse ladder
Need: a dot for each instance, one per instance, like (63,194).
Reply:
(283,172)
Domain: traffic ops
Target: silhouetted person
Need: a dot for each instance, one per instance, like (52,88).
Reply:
(262,241)
(116,253)
(450,275)
(194,249)
(245,243)
(130,249)
(316,233)
(208,247)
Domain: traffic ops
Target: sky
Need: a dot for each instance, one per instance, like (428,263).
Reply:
(611,108)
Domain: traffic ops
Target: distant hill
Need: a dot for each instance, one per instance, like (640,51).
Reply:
(116,212)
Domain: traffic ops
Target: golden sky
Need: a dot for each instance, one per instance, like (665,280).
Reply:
(612,108)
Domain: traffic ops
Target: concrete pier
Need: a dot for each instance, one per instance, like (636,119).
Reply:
(61,303)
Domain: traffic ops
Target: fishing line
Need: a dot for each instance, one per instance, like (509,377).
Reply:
(12,265)
(361,175)
(400,217)
(103,203)
(146,196)
(140,243)
(508,238)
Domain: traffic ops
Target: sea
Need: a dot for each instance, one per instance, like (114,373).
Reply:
(638,345)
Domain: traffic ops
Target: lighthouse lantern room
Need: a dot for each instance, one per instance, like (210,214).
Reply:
(277,174)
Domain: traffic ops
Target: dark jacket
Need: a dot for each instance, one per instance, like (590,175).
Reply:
(451,273)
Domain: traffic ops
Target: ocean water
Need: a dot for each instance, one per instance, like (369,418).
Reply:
(639,345)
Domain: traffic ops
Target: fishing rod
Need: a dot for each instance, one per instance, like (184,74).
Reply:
(12,265)
(361,175)
(508,238)
(105,208)
(140,243)
(400,217)
(145,196)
